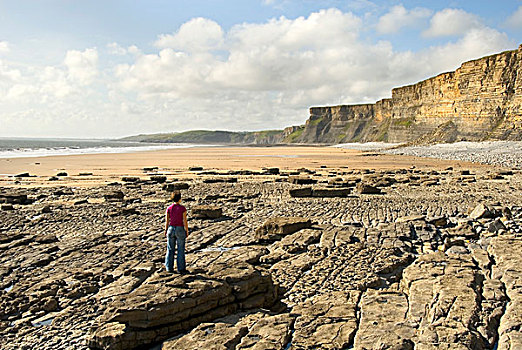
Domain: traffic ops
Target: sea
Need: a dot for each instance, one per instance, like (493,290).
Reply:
(36,147)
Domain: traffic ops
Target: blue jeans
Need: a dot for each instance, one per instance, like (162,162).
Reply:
(175,235)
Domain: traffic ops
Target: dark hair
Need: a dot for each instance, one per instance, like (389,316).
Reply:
(175,196)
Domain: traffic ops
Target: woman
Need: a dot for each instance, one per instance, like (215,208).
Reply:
(176,230)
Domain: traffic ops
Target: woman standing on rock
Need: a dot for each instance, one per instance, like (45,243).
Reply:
(176,231)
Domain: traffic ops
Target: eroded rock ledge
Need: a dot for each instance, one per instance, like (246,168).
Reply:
(432,262)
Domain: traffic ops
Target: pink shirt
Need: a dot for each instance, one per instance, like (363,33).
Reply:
(175,212)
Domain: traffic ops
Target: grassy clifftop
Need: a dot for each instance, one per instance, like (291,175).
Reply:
(212,137)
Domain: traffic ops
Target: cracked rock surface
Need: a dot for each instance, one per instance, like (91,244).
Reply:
(428,260)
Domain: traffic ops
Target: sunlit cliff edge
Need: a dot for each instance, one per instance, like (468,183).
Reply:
(479,101)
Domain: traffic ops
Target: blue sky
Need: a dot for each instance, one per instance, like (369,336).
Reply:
(114,68)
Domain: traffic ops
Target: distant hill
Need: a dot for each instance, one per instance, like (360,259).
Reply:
(212,137)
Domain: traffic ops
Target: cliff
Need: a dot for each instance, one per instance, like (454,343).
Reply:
(481,100)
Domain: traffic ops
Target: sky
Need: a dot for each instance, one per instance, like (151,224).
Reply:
(108,69)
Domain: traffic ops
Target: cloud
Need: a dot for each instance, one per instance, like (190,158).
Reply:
(116,49)
(198,34)
(273,71)
(264,75)
(452,22)
(4,47)
(398,18)
(82,65)
(515,20)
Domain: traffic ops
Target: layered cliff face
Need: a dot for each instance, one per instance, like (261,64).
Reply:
(481,100)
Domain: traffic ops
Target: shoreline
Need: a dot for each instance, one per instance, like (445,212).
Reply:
(108,167)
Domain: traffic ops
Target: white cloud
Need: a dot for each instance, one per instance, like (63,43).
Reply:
(198,34)
(82,65)
(398,18)
(265,75)
(4,47)
(116,49)
(449,22)
(515,20)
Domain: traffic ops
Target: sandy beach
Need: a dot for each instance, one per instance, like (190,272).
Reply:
(105,167)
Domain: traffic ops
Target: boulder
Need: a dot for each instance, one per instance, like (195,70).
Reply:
(439,221)
(14,198)
(7,207)
(272,171)
(207,212)
(496,225)
(176,186)
(66,191)
(301,180)
(220,180)
(481,211)
(362,188)
(331,192)
(61,174)
(301,192)
(158,179)
(22,175)
(319,192)
(130,179)
(114,196)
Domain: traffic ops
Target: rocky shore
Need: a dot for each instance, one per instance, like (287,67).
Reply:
(323,258)
(499,153)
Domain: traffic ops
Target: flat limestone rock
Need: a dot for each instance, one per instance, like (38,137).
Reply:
(443,299)
(383,324)
(297,242)
(218,336)
(326,321)
(271,333)
(167,304)
(276,228)
(508,269)
(207,212)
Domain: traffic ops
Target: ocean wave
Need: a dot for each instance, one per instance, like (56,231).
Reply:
(76,150)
